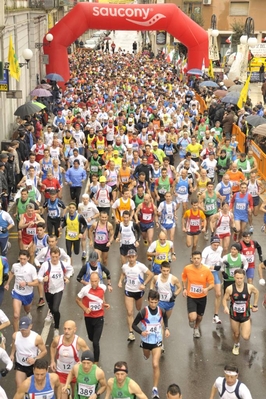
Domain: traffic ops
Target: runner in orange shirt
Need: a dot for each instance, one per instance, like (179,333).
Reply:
(236,177)
(197,281)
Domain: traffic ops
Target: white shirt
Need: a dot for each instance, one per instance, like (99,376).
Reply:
(56,278)
(88,211)
(229,390)
(44,255)
(134,276)
(81,158)
(25,273)
(211,257)
(26,165)
(3,317)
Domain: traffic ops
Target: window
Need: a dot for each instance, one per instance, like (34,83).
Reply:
(239,8)
(191,8)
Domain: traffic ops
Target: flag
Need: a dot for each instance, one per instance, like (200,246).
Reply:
(14,68)
(244,93)
(228,40)
(210,70)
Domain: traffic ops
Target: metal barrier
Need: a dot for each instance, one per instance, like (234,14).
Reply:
(259,155)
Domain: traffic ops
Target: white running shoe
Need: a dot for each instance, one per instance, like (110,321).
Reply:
(49,316)
(216,319)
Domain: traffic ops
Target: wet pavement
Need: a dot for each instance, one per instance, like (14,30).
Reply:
(192,363)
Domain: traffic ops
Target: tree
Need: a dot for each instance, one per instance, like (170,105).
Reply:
(238,31)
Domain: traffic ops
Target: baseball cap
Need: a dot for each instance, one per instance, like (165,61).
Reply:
(132,252)
(130,120)
(115,152)
(24,323)
(87,355)
(85,196)
(28,182)
(93,256)
(102,179)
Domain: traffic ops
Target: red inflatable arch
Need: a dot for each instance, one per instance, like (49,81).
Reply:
(154,17)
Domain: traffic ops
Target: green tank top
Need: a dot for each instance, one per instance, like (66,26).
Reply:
(233,265)
(210,204)
(222,162)
(94,167)
(163,186)
(21,207)
(138,200)
(122,392)
(242,165)
(86,383)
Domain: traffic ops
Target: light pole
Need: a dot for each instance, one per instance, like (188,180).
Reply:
(49,37)
(27,54)
(247,40)
(213,33)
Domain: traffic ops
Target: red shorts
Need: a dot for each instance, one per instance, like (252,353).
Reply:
(26,240)
(221,236)
(63,377)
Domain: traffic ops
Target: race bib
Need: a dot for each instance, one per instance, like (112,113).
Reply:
(72,234)
(195,222)
(240,206)
(56,276)
(133,281)
(154,328)
(53,213)
(250,258)
(165,296)
(94,168)
(210,207)
(86,390)
(147,216)
(196,289)
(19,288)
(95,306)
(161,257)
(239,307)
(232,271)
(31,231)
(100,236)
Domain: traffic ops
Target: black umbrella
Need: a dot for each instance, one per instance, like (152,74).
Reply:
(255,120)
(27,109)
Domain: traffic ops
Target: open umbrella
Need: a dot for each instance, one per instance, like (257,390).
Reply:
(220,93)
(55,76)
(27,109)
(255,120)
(40,93)
(228,83)
(45,86)
(209,83)
(231,98)
(195,71)
(235,88)
(41,105)
(261,129)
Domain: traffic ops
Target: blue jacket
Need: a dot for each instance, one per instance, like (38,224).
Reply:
(75,176)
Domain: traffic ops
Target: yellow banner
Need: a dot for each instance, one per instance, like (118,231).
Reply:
(14,68)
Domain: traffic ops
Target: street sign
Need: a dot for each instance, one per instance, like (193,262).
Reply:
(4,83)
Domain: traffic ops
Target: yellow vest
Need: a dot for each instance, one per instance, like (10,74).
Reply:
(72,228)
(100,145)
(123,206)
(163,252)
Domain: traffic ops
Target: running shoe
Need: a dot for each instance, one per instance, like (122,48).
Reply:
(84,255)
(235,349)
(262,228)
(49,316)
(155,393)
(162,348)
(56,332)
(206,236)
(41,303)
(216,319)
(131,336)
(196,333)
(251,229)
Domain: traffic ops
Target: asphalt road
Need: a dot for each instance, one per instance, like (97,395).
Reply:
(192,363)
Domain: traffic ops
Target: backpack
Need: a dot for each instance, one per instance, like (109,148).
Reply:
(236,392)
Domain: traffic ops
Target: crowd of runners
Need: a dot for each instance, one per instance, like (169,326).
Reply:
(143,153)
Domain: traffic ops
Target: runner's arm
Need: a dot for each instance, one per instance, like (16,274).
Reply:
(135,389)
(140,316)
(213,392)
(22,389)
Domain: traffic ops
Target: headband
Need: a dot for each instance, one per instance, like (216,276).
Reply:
(230,372)
(116,369)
